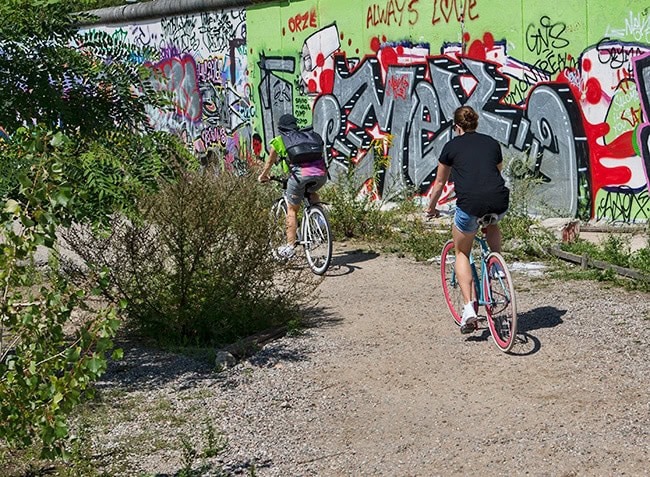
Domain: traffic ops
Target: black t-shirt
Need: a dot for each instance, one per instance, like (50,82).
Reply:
(480,188)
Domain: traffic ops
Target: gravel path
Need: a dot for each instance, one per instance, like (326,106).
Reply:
(383,383)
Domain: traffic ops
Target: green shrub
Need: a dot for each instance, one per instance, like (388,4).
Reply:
(424,242)
(354,215)
(198,270)
(615,250)
(640,260)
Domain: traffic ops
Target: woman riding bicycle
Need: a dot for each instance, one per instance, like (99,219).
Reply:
(475,162)
(305,178)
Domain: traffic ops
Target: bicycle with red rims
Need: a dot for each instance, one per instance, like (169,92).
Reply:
(492,287)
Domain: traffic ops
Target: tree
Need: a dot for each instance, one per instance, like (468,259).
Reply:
(80,150)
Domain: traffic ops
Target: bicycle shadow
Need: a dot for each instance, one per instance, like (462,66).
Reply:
(343,262)
(535,319)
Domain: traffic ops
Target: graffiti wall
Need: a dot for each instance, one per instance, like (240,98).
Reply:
(202,62)
(563,86)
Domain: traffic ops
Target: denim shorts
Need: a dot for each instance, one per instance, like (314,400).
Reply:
(468,224)
(296,188)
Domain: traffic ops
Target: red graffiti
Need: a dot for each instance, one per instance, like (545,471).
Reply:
(257,146)
(178,75)
(393,13)
(594,91)
(451,10)
(302,21)
(625,80)
(399,86)
(632,116)
(620,148)
(327,81)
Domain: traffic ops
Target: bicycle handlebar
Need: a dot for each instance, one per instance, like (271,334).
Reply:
(281,180)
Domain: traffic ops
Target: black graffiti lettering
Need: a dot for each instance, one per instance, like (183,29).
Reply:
(276,94)
(623,205)
(556,62)
(518,92)
(181,32)
(616,54)
(546,36)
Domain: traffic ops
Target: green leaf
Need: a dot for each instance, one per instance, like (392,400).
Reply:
(95,365)
(118,354)
(12,207)
(58,140)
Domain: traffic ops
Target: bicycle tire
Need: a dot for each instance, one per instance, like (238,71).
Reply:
(502,310)
(450,287)
(317,239)
(277,226)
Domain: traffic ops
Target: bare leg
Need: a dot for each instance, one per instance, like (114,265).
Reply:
(292,222)
(314,198)
(494,237)
(463,246)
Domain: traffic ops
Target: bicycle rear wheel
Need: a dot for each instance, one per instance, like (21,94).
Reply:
(317,239)
(502,310)
(277,225)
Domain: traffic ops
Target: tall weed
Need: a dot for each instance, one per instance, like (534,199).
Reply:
(353,214)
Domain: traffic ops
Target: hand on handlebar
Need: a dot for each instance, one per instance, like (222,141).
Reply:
(263,178)
(431,212)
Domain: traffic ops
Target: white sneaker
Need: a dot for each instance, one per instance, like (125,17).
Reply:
(497,273)
(286,251)
(469,319)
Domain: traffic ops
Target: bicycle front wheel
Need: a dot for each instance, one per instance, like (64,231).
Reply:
(317,239)
(502,309)
(277,226)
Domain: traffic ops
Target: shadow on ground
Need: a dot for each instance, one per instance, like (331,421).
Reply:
(526,344)
(538,318)
(147,367)
(343,263)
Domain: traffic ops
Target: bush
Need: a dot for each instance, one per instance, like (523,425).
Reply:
(352,214)
(198,269)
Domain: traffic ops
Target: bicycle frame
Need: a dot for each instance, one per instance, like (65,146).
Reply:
(485,293)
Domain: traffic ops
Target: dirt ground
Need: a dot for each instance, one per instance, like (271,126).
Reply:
(382,383)
(410,395)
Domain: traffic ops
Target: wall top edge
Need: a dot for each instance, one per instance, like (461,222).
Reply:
(162,8)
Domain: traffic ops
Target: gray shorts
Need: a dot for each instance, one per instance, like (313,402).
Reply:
(296,189)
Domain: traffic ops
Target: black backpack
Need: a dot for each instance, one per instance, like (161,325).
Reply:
(302,145)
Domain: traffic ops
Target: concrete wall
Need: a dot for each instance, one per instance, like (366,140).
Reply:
(564,86)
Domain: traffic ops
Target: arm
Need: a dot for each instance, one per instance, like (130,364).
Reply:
(264,175)
(441,179)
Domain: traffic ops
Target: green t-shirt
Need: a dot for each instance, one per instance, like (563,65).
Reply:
(278,144)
